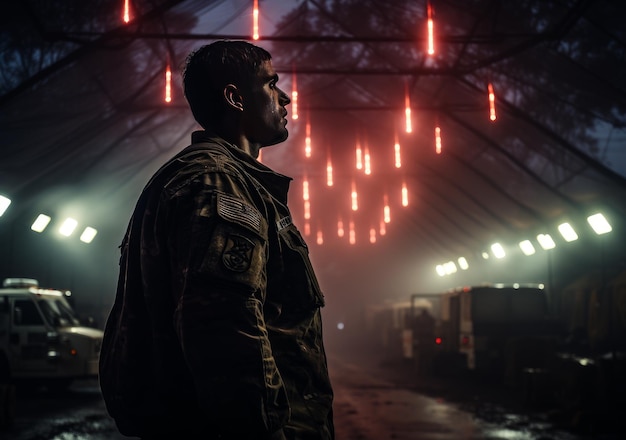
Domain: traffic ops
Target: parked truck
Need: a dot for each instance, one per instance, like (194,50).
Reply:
(494,329)
(41,339)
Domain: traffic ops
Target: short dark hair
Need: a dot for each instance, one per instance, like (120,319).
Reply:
(213,66)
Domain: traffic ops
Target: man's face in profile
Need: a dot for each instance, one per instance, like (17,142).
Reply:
(265,114)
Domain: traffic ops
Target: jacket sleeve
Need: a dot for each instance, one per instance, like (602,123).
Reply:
(217,241)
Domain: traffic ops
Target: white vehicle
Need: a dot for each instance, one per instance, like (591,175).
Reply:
(41,340)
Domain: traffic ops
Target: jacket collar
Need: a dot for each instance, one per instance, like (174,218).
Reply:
(277,184)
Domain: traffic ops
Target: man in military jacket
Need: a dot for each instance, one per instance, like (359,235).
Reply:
(216,332)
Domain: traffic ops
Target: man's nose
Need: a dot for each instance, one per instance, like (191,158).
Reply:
(284,98)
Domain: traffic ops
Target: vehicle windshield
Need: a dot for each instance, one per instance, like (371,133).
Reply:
(58,312)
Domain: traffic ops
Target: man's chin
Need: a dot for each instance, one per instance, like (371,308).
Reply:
(280,137)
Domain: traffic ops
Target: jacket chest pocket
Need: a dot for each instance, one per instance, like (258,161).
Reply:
(302,288)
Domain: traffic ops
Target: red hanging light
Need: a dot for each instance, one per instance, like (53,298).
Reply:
(294,97)
(431,29)
(383,228)
(305,189)
(372,235)
(126,12)
(307,140)
(255,20)
(168,84)
(396,148)
(492,102)
(352,233)
(320,237)
(359,156)
(386,210)
(340,230)
(329,172)
(407,109)
(405,195)
(355,198)
(367,161)
(438,140)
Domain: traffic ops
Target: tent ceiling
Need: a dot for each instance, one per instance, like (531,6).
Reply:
(84,125)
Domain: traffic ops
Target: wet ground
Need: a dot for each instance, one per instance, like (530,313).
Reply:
(375,400)
(390,400)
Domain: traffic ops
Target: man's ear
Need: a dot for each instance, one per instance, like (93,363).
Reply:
(233,97)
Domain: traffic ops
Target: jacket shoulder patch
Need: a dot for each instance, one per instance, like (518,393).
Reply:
(237,254)
(235,210)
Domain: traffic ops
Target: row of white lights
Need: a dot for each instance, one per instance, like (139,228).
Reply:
(598,223)
(42,221)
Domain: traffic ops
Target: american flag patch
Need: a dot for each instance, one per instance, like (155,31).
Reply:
(233,209)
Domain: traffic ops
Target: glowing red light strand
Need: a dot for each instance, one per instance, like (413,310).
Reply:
(438,140)
(294,97)
(431,30)
(307,140)
(126,13)
(255,20)
(492,102)
(168,84)
(407,110)
(396,147)
(405,195)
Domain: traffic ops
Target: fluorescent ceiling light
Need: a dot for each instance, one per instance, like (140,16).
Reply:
(567,231)
(527,247)
(450,267)
(599,224)
(546,241)
(40,223)
(440,270)
(88,234)
(4,204)
(498,250)
(68,226)
(463,263)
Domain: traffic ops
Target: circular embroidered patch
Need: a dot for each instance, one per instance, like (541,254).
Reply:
(237,254)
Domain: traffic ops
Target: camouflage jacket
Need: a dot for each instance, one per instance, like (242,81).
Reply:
(216,328)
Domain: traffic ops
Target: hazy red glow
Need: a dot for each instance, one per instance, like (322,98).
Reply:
(383,228)
(320,237)
(307,210)
(255,20)
(492,102)
(372,235)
